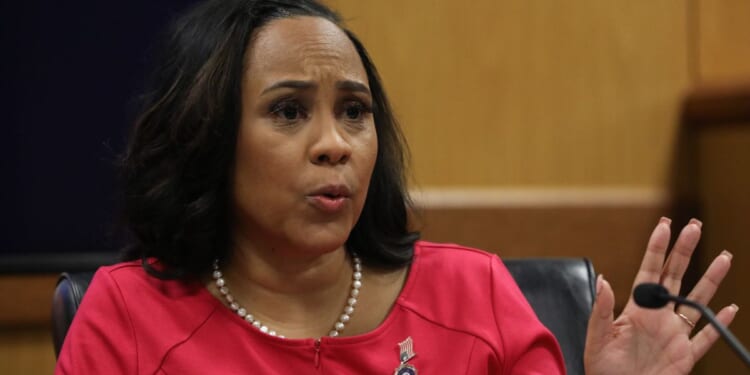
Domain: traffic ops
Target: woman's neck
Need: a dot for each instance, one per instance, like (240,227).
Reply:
(295,293)
(289,272)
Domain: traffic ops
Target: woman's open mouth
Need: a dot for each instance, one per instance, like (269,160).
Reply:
(330,198)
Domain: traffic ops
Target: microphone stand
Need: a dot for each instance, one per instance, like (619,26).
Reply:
(733,342)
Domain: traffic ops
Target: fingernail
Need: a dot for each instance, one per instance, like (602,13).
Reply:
(665,220)
(696,222)
(735,307)
(727,254)
(599,282)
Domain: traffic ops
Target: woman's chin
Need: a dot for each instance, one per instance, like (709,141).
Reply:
(324,246)
(322,242)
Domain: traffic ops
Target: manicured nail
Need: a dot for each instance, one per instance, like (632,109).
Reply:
(727,254)
(735,307)
(599,282)
(696,222)
(665,220)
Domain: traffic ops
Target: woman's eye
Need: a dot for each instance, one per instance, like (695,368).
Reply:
(288,111)
(355,111)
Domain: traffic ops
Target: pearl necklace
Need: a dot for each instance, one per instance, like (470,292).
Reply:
(221,284)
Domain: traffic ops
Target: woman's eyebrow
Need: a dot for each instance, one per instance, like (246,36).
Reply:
(292,84)
(347,85)
(352,86)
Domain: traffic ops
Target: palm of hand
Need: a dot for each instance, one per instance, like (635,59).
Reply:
(644,341)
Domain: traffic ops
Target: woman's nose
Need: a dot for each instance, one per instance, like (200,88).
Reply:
(331,144)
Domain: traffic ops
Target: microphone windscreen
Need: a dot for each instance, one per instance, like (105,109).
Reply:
(650,295)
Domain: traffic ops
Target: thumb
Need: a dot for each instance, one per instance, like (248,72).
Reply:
(602,315)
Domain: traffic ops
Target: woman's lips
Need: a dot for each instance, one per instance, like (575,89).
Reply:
(330,198)
(328,204)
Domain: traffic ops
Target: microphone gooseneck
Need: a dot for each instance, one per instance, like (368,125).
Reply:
(654,296)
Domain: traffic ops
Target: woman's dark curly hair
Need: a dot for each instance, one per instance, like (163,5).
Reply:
(176,169)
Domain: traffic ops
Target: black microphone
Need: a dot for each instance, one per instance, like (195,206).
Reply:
(654,296)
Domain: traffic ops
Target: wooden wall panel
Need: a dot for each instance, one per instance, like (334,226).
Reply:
(26,350)
(724,168)
(723,40)
(531,92)
(25,316)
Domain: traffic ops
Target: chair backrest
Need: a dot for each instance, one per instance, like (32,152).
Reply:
(68,295)
(561,292)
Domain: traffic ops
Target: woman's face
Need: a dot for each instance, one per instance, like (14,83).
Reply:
(307,143)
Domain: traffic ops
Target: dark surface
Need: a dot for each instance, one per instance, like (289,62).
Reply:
(71,73)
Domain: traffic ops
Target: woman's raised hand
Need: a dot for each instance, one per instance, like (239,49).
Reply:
(656,341)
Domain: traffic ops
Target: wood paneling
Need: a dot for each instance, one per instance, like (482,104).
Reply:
(25,333)
(26,350)
(31,300)
(724,192)
(531,92)
(723,40)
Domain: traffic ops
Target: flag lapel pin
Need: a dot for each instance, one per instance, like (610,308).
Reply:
(406,352)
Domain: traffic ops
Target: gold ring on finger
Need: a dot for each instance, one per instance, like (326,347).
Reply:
(686,320)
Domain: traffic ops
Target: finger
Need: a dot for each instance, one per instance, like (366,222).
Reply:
(707,336)
(602,316)
(653,260)
(679,257)
(708,284)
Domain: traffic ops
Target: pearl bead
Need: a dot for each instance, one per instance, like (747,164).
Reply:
(249,318)
(272,333)
(264,329)
(217,274)
(333,333)
(234,306)
(339,326)
(256,324)
(229,298)
(355,292)
(224,290)
(358,275)
(356,284)
(351,301)
(348,310)
(220,282)
(344,318)
(242,312)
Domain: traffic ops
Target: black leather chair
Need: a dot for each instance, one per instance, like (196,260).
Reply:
(561,292)
(68,295)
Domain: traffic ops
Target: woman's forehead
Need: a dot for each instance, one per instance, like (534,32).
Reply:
(302,48)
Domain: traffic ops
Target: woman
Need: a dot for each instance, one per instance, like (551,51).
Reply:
(265,191)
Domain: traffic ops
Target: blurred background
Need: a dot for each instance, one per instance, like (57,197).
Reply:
(537,129)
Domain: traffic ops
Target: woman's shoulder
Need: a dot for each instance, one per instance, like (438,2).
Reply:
(464,260)
(128,270)
(135,316)
(151,304)
(452,274)
(135,287)
(468,290)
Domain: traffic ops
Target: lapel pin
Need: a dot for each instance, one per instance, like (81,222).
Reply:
(406,352)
